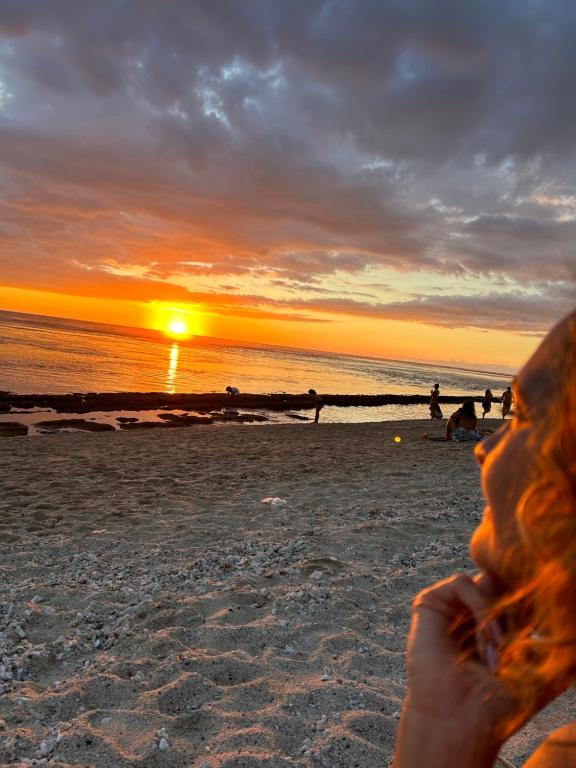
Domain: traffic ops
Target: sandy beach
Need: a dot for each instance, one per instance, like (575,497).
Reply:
(155,611)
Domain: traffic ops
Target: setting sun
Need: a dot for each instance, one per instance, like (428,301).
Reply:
(177,322)
(178,327)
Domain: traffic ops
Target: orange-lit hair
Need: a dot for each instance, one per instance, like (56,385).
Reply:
(541,654)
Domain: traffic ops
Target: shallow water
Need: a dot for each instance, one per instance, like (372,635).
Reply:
(50,355)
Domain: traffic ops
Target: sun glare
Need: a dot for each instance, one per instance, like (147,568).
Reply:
(176,322)
(178,327)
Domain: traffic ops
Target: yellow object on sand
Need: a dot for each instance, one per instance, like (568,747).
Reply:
(397,439)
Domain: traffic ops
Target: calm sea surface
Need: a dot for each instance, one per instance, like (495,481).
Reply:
(49,355)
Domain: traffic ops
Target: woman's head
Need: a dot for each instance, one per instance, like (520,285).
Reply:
(468,409)
(527,539)
(523,458)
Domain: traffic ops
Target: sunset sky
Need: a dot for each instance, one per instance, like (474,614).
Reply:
(393,178)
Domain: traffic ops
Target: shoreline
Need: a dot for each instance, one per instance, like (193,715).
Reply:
(22,414)
(48,414)
(79,402)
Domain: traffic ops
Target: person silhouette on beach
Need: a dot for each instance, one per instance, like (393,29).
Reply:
(487,403)
(462,424)
(435,410)
(318,402)
(233,391)
(506,401)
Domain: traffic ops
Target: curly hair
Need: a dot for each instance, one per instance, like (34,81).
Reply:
(541,653)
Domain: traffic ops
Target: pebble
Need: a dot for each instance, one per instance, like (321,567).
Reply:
(49,744)
(163,745)
(19,631)
(140,609)
(274,501)
(316,576)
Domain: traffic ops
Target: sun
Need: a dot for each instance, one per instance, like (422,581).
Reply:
(177,327)
(177,322)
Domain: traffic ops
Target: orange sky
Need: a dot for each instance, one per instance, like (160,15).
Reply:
(350,177)
(496,350)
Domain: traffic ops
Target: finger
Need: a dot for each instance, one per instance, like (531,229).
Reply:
(492,590)
(440,614)
(444,601)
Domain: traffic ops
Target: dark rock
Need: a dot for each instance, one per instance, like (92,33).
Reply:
(195,420)
(238,417)
(12,429)
(141,401)
(126,419)
(252,417)
(175,420)
(88,426)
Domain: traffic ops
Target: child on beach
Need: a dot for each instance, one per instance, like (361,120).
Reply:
(434,407)
(487,402)
(486,653)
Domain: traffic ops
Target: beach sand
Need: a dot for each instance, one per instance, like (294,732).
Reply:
(154,611)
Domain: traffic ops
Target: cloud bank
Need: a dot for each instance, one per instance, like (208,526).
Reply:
(161,150)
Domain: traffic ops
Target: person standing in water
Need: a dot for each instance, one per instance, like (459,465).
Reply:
(506,401)
(435,410)
(487,402)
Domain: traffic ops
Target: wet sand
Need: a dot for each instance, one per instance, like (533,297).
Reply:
(154,610)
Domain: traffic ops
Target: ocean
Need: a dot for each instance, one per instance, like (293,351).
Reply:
(51,355)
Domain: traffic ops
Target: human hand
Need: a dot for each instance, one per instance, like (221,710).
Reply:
(453,651)
(457,708)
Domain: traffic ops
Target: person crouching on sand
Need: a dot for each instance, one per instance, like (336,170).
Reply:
(486,653)
(462,424)
(233,391)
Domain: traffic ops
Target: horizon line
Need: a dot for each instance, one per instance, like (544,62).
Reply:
(246,343)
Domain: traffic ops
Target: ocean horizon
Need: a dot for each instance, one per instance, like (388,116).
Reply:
(42,354)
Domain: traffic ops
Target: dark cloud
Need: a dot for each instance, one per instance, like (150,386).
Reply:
(295,141)
(522,313)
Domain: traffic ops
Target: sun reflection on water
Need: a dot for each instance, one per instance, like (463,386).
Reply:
(172,369)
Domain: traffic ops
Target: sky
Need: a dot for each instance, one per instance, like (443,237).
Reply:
(385,177)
